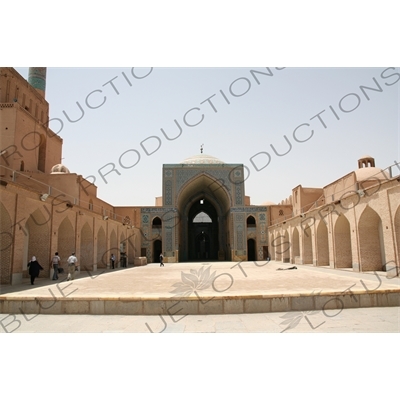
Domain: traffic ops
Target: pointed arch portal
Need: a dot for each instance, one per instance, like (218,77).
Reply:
(204,237)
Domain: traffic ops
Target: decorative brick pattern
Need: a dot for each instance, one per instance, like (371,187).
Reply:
(220,175)
(168,237)
(182,176)
(239,217)
(252,209)
(86,256)
(238,195)
(168,193)
(240,237)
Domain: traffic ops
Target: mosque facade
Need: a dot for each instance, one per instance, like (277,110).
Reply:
(203,214)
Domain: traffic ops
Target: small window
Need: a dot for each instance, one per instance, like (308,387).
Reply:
(157,222)
(251,222)
(281,212)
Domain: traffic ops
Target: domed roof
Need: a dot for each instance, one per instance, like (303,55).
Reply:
(59,169)
(202,159)
(371,174)
(368,172)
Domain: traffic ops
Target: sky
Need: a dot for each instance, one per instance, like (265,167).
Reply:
(242,115)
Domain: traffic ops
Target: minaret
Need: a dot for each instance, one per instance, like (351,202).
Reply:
(37,79)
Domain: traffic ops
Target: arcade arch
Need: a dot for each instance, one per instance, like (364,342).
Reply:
(36,240)
(285,247)
(342,243)
(295,245)
(307,246)
(372,252)
(65,241)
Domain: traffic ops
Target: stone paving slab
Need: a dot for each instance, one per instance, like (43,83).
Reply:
(365,320)
(203,288)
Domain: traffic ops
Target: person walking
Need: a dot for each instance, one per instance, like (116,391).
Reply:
(34,269)
(161,260)
(72,261)
(112,259)
(56,264)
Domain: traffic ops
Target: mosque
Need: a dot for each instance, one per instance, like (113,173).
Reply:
(204,213)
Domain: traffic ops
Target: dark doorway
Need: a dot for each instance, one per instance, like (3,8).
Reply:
(157,249)
(251,250)
(202,231)
(202,246)
(265,253)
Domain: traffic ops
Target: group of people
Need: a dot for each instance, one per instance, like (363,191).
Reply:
(72,265)
(34,267)
(123,259)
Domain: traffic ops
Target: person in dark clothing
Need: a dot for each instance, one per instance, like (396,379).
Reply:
(161,260)
(123,260)
(34,269)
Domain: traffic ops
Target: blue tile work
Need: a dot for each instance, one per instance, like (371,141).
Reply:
(37,77)
(239,195)
(168,193)
(168,239)
(239,222)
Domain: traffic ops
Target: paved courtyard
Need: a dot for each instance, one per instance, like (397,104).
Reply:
(211,280)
